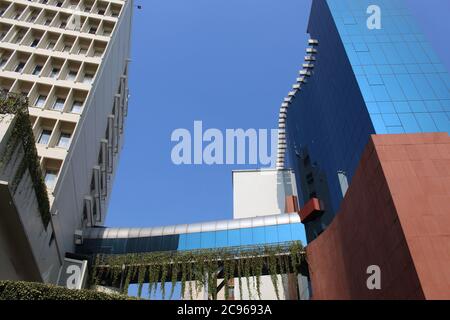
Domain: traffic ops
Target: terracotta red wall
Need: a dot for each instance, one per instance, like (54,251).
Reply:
(396,214)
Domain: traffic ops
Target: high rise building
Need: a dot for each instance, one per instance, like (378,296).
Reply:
(368,70)
(70,58)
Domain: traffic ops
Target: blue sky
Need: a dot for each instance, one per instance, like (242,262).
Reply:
(228,63)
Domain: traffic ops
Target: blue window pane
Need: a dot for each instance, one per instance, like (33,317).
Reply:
(442,122)
(365,89)
(208,240)
(409,122)
(386,107)
(391,119)
(426,122)
(155,243)
(433,106)
(375,79)
(259,236)
(182,242)
(297,231)
(417,106)
(234,238)
(446,78)
(402,107)
(372,107)
(271,234)
(380,93)
(395,130)
(445,105)
(393,87)
(246,237)
(193,241)
(284,233)
(423,87)
(384,69)
(408,86)
(439,87)
(378,124)
(221,239)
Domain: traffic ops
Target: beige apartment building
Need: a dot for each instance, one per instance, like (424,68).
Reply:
(71,59)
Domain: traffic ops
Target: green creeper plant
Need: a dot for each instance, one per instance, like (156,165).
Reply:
(17,104)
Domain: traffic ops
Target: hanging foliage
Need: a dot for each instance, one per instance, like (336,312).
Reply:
(22,134)
(200,268)
(239,268)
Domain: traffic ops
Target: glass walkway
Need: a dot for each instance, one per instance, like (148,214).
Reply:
(267,230)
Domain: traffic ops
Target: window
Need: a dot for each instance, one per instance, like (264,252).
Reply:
(59,4)
(88,78)
(64,140)
(77,107)
(101,12)
(32,18)
(93,30)
(19,37)
(59,104)
(63,24)
(20,66)
(54,73)
(67,48)
(82,51)
(44,137)
(47,22)
(2,62)
(50,178)
(40,101)
(34,43)
(37,70)
(71,75)
(51,45)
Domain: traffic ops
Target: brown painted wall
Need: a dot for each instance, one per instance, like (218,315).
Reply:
(396,214)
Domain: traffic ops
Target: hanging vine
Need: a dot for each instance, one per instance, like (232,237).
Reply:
(22,134)
(239,268)
(200,269)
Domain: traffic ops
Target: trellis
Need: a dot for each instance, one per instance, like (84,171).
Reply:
(200,268)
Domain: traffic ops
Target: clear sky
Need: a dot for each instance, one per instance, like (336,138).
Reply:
(228,63)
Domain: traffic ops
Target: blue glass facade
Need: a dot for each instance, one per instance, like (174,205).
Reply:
(364,82)
(264,235)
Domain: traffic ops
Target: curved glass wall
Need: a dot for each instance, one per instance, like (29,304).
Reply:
(275,231)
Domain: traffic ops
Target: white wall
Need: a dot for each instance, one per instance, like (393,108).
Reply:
(261,192)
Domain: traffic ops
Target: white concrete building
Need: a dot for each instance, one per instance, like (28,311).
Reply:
(262,193)
(70,58)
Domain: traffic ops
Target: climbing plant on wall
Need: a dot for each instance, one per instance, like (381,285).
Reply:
(198,269)
(22,135)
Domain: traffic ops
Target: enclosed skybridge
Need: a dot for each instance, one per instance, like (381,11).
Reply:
(267,230)
(199,252)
